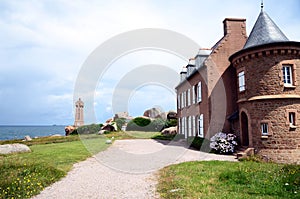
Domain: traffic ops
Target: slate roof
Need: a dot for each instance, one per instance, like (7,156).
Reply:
(264,31)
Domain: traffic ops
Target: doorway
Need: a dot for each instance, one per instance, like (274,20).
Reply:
(245,130)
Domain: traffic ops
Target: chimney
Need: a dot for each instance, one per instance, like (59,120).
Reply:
(234,26)
(183,74)
(191,66)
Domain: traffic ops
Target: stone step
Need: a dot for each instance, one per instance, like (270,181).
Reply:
(246,153)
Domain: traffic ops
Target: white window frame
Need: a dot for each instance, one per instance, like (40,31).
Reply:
(179,101)
(186,127)
(264,128)
(179,125)
(188,97)
(194,125)
(199,92)
(287,74)
(183,125)
(292,118)
(241,78)
(201,126)
(183,99)
(193,94)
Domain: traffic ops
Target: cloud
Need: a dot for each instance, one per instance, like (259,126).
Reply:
(44,44)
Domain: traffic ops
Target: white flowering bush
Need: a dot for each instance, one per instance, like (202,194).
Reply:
(223,143)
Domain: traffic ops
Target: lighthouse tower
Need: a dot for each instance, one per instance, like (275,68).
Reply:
(79,105)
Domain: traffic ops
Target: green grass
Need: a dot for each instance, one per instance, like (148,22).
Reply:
(43,140)
(142,134)
(24,175)
(163,137)
(232,180)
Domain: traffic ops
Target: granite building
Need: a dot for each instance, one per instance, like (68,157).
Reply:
(248,86)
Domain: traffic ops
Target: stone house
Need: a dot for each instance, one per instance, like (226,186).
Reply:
(248,86)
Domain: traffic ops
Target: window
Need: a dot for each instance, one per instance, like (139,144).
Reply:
(292,119)
(199,92)
(287,75)
(241,77)
(179,125)
(194,125)
(183,125)
(200,126)
(189,126)
(264,129)
(188,97)
(193,94)
(183,100)
(179,101)
(186,127)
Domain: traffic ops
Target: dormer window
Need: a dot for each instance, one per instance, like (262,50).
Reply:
(287,74)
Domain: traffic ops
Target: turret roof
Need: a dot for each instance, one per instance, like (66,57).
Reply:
(264,31)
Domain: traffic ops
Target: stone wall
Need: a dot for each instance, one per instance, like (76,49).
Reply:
(281,156)
(281,138)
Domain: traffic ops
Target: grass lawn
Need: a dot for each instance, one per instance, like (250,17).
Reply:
(141,134)
(216,179)
(25,175)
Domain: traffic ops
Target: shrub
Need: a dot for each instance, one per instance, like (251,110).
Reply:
(120,122)
(145,124)
(75,132)
(89,129)
(138,124)
(157,124)
(223,143)
(170,123)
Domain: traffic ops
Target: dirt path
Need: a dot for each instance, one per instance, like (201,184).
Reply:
(125,170)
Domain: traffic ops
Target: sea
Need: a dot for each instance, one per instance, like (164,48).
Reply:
(19,132)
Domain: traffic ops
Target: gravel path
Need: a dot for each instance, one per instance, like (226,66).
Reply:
(127,169)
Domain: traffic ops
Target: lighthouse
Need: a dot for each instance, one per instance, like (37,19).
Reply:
(79,105)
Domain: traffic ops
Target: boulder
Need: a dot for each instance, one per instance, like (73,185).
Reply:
(27,138)
(172,115)
(56,135)
(14,148)
(69,130)
(109,126)
(154,113)
(170,131)
(101,132)
(108,142)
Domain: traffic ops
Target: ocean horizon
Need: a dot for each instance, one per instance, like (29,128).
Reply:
(10,132)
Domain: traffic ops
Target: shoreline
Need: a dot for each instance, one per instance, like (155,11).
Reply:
(18,132)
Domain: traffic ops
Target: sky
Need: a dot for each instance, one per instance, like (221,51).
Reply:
(44,45)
